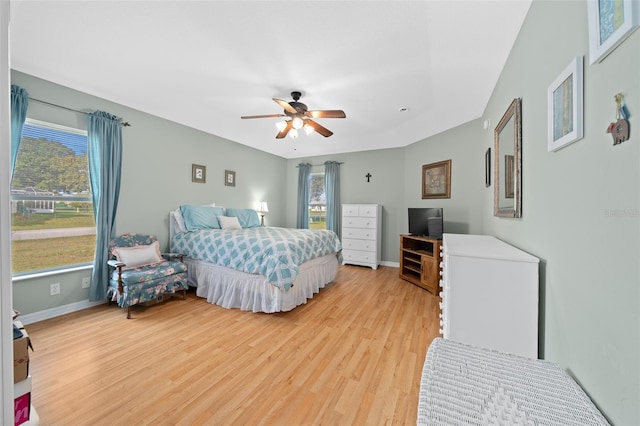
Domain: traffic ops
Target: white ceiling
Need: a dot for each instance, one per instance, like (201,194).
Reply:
(206,63)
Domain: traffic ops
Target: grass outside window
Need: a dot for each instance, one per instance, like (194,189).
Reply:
(30,255)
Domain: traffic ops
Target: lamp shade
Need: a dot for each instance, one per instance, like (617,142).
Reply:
(262,207)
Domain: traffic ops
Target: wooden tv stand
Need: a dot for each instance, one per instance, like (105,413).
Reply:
(420,261)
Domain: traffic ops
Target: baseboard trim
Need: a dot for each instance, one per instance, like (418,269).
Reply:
(57,311)
(84,304)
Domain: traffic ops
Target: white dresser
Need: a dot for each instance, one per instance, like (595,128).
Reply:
(489,294)
(361,234)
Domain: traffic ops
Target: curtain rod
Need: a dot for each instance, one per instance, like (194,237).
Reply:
(315,165)
(123,123)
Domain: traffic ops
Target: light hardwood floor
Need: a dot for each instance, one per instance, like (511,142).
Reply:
(352,355)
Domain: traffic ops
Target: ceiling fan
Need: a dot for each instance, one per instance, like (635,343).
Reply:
(300,117)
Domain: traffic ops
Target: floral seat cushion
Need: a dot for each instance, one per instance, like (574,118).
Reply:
(149,273)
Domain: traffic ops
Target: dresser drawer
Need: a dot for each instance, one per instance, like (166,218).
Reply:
(358,256)
(350,210)
(359,233)
(362,210)
(368,210)
(359,222)
(362,245)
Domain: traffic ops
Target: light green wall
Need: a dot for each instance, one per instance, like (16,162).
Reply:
(397,178)
(156,177)
(384,188)
(465,147)
(581,206)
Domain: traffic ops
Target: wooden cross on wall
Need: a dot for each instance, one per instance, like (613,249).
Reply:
(368,176)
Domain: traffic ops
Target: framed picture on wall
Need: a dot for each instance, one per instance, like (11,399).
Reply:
(610,23)
(565,106)
(436,180)
(229,178)
(198,173)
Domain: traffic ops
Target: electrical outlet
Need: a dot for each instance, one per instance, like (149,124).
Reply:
(86,282)
(54,289)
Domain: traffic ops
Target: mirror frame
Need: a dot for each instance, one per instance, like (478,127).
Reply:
(514,111)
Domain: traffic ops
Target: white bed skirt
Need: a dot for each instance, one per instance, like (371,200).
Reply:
(250,292)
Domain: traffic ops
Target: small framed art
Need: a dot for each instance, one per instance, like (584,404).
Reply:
(198,173)
(610,23)
(565,106)
(436,180)
(229,178)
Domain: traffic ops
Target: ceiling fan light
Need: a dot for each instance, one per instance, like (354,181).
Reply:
(308,129)
(281,125)
(297,123)
(293,133)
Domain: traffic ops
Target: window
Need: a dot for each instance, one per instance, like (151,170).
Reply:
(52,224)
(317,202)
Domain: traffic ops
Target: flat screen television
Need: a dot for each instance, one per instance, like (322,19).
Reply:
(426,221)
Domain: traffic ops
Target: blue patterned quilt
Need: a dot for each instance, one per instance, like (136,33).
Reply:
(270,251)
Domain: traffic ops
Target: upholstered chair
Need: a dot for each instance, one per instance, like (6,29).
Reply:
(139,273)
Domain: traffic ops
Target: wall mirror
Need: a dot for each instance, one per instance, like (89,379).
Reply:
(507,195)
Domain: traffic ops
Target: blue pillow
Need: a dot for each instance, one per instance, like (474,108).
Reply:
(248,218)
(200,217)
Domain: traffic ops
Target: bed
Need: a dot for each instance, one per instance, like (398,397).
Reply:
(236,263)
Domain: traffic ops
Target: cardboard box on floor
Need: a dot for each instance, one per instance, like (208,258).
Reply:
(21,347)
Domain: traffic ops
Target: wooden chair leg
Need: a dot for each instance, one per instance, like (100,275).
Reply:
(128,312)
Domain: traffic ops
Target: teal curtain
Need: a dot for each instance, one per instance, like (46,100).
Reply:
(19,105)
(332,192)
(104,136)
(304,170)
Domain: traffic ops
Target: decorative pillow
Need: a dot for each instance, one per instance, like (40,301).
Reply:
(137,256)
(201,217)
(178,222)
(228,222)
(248,218)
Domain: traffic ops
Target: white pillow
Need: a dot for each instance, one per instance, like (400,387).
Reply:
(137,256)
(229,222)
(178,221)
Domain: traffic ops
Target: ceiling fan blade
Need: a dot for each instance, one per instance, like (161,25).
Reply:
(318,128)
(263,116)
(326,113)
(284,131)
(285,105)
